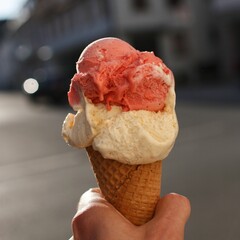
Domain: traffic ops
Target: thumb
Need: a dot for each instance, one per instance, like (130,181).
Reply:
(171,215)
(98,219)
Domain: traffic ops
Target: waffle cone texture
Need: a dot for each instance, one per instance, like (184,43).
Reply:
(132,189)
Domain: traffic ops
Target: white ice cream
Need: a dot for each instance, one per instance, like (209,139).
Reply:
(132,137)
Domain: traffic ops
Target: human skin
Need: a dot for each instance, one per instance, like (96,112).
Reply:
(96,219)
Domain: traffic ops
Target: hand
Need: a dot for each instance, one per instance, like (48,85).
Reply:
(99,220)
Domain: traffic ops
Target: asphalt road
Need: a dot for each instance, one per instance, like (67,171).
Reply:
(41,178)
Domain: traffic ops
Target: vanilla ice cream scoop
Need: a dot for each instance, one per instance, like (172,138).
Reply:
(125,104)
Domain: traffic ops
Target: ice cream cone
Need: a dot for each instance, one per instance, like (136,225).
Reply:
(132,189)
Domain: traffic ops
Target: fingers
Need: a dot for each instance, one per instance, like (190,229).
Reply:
(97,219)
(171,215)
(89,215)
(81,222)
(94,200)
(90,197)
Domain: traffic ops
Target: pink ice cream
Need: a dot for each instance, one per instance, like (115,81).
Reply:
(112,72)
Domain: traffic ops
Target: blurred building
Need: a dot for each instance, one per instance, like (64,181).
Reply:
(227,21)
(47,38)
(179,31)
(45,41)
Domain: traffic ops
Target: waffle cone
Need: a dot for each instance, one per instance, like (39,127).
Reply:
(132,189)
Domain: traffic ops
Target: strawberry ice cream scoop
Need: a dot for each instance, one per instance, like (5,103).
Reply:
(112,72)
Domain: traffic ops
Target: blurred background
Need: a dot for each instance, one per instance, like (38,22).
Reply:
(41,178)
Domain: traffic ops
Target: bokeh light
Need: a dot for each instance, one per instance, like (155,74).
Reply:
(30,85)
(45,53)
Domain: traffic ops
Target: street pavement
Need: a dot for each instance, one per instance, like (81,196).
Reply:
(41,178)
